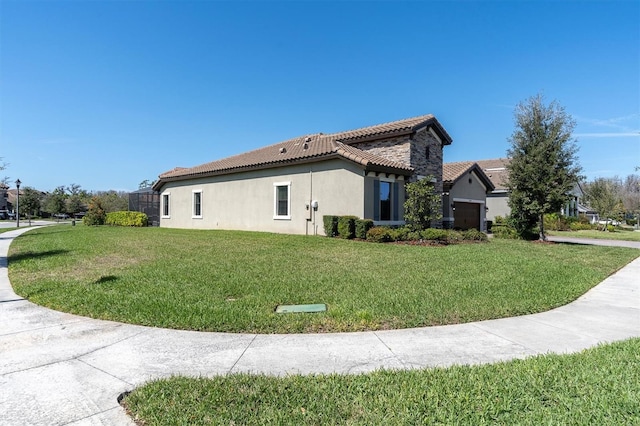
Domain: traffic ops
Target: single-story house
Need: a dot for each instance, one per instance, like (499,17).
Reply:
(497,200)
(464,200)
(4,201)
(288,187)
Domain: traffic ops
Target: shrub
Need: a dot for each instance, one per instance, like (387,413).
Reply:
(506,232)
(95,214)
(380,234)
(611,228)
(434,234)
(580,226)
(556,222)
(423,203)
(362,227)
(632,222)
(347,227)
(403,234)
(473,235)
(330,225)
(454,237)
(499,220)
(126,219)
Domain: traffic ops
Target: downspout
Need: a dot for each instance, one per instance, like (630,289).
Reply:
(312,210)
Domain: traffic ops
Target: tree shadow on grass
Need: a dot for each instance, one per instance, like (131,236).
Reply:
(105,279)
(30,255)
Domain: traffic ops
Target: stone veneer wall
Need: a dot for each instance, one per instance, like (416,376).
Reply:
(394,149)
(412,151)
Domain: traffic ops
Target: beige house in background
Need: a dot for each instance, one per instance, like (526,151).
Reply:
(497,200)
(289,186)
(466,191)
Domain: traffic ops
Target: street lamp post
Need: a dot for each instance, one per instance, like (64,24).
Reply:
(18,203)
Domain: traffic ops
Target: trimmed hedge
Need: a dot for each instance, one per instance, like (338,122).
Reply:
(504,231)
(362,227)
(347,227)
(383,234)
(380,234)
(330,223)
(126,219)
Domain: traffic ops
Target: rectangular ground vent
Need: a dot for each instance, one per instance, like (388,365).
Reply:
(287,309)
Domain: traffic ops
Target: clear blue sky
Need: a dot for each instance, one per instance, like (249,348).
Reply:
(106,94)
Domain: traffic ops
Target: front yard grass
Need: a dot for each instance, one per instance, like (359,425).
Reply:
(596,387)
(232,281)
(623,235)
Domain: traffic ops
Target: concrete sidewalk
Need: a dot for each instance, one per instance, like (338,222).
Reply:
(61,369)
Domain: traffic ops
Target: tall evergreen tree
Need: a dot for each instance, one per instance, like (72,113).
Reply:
(543,167)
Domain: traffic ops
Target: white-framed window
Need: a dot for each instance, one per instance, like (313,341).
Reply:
(166,199)
(282,200)
(197,204)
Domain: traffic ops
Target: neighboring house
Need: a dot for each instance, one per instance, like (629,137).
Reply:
(464,203)
(289,186)
(4,201)
(497,201)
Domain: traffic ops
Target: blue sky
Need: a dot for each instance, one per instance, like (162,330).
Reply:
(106,94)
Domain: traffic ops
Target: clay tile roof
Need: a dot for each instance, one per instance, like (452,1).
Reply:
(394,127)
(309,147)
(452,171)
(496,170)
(297,149)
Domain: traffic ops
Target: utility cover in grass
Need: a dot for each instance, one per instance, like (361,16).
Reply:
(286,309)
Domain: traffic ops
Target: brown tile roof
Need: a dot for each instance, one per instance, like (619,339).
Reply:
(385,130)
(451,172)
(312,147)
(299,149)
(496,171)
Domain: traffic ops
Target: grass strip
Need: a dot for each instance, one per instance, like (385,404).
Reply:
(621,235)
(232,281)
(598,386)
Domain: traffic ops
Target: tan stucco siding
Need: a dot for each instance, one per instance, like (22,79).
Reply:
(246,201)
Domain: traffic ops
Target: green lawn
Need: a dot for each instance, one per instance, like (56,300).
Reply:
(232,281)
(617,235)
(596,387)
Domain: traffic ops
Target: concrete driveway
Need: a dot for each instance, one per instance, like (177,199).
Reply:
(61,369)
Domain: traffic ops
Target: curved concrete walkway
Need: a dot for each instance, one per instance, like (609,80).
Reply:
(61,369)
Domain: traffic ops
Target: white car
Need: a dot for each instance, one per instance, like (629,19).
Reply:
(609,222)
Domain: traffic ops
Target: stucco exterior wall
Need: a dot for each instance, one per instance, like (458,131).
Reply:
(467,189)
(497,204)
(246,201)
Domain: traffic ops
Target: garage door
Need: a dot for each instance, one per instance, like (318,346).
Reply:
(466,215)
